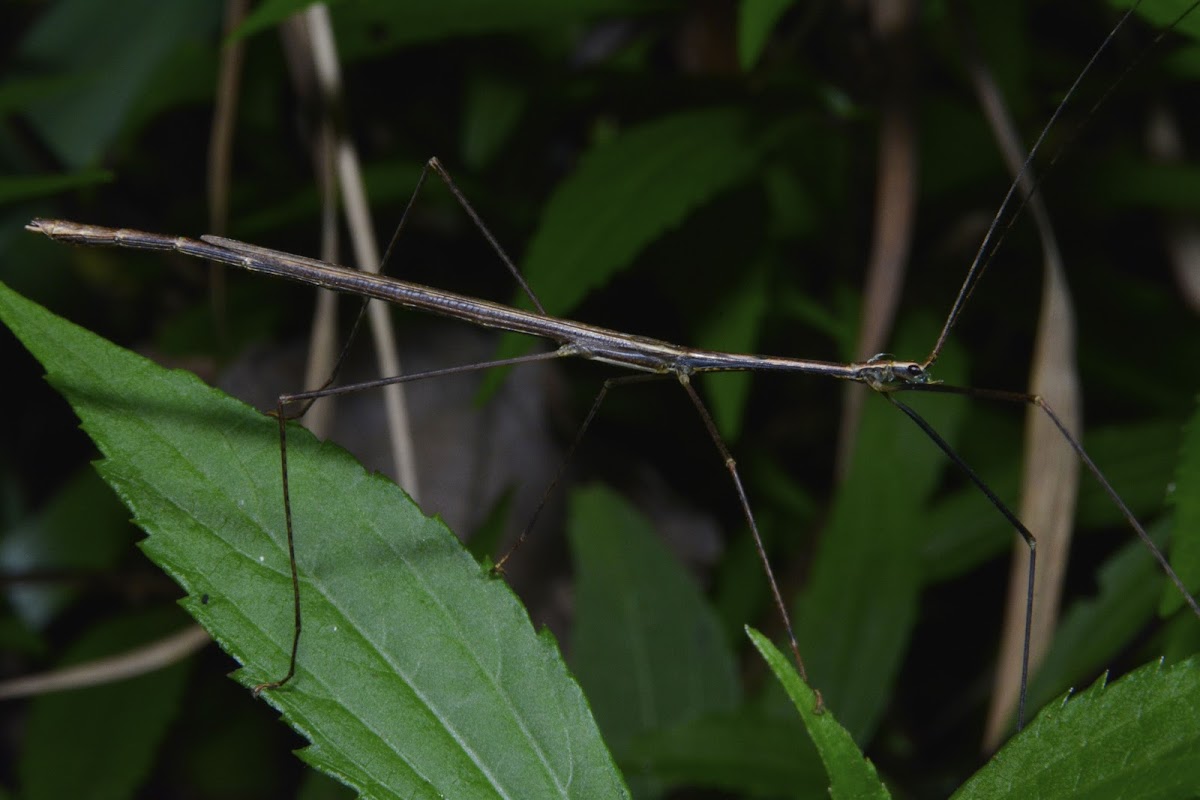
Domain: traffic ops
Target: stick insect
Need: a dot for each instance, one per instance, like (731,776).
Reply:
(886,375)
(644,354)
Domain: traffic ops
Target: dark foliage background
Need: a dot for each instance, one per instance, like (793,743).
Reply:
(769,153)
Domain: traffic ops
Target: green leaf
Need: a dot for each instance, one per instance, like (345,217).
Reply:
(1138,738)
(1095,630)
(270,13)
(734,327)
(744,752)
(851,775)
(857,611)
(626,193)
(1161,13)
(1138,458)
(647,648)
(493,107)
(1166,186)
(629,191)
(419,674)
(91,44)
(756,19)
(113,731)
(26,187)
(19,93)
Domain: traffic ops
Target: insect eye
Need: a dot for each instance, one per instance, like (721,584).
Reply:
(914,370)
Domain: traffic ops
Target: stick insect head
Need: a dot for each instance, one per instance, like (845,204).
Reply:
(885,374)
